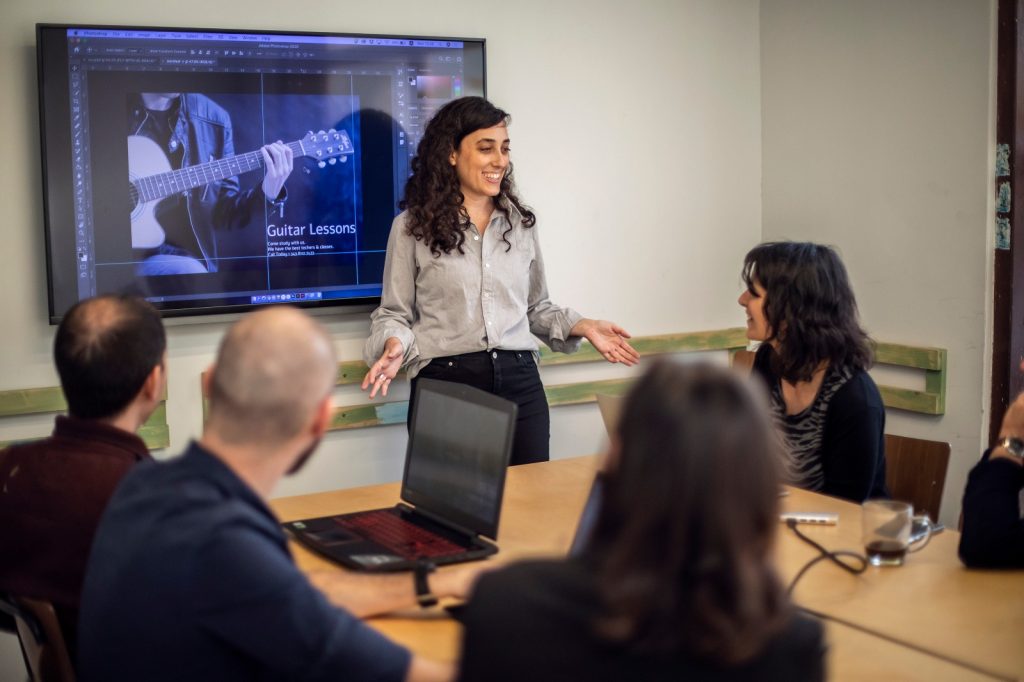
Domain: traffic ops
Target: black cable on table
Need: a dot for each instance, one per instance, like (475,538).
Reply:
(856,567)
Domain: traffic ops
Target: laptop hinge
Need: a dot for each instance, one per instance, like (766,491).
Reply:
(441,521)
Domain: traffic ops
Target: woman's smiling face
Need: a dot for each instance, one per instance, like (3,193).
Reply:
(481,161)
(752,300)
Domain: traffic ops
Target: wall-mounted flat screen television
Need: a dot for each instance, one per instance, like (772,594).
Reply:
(156,180)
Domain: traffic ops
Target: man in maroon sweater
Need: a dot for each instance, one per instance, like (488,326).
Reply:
(110,354)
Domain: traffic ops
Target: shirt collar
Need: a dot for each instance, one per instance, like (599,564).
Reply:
(212,468)
(513,213)
(94,430)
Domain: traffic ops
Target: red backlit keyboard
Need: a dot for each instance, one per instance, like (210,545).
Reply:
(389,530)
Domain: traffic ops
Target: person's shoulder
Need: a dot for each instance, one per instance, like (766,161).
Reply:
(400,238)
(804,632)
(859,392)
(27,461)
(799,646)
(179,514)
(546,597)
(524,584)
(516,220)
(146,475)
(168,488)
(93,459)
(18,452)
(534,571)
(400,225)
(201,106)
(514,215)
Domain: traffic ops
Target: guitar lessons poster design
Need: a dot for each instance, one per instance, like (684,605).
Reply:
(318,240)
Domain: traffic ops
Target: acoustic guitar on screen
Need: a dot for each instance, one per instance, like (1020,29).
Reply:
(151,177)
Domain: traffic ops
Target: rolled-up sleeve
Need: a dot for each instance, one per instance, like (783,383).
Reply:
(550,323)
(397,310)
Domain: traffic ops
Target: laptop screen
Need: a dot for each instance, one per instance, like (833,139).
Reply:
(459,447)
(588,518)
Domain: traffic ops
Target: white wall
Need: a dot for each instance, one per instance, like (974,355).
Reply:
(877,131)
(636,137)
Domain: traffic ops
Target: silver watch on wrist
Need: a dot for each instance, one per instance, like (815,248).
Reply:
(1015,446)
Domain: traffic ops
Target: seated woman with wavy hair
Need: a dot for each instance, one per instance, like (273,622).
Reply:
(814,359)
(677,581)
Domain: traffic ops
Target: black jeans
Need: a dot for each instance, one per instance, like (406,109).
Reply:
(509,374)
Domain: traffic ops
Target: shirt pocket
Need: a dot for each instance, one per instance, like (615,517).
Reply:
(445,285)
(517,263)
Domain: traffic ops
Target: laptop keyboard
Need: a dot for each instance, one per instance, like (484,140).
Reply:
(405,539)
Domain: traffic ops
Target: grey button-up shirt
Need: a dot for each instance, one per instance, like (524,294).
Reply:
(458,303)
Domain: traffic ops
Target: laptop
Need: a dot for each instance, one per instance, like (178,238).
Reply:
(611,408)
(588,518)
(460,442)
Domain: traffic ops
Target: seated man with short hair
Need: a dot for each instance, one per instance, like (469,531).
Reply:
(109,353)
(191,577)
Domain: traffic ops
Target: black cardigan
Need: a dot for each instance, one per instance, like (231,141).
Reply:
(853,440)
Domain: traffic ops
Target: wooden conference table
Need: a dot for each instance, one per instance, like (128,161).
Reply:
(930,619)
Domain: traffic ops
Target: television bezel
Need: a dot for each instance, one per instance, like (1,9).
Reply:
(50,105)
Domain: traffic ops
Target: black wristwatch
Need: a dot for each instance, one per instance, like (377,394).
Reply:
(1015,446)
(423,595)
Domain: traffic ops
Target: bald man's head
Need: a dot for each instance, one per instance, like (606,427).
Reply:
(273,370)
(104,349)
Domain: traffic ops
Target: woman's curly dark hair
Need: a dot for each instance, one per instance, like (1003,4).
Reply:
(432,195)
(809,307)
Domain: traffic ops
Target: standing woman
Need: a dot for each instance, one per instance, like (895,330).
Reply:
(464,285)
(814,360)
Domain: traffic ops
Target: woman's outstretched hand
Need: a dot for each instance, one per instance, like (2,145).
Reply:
(609,339)
(384,370)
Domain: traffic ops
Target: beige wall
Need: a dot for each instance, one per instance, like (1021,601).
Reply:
(877,130)
(636,137)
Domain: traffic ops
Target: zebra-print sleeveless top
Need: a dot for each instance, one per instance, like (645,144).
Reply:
(803,431)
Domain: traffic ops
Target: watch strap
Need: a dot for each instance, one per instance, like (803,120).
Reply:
(424,597)
(1015,446)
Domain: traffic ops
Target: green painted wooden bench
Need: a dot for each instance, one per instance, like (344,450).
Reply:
(930,401)
(154,432)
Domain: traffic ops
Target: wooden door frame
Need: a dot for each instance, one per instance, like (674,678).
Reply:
(1008,285)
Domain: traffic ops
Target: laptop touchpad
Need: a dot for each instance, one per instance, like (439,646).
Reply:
(325,532)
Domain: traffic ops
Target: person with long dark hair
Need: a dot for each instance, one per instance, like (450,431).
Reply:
(814,359)
(677,581)
(464,285)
